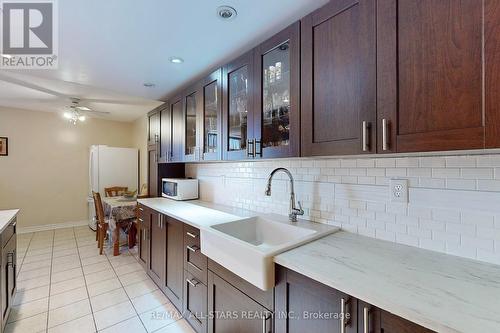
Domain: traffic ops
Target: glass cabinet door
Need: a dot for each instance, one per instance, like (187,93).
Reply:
(238,110)
(277,97)
(212,116)
(190,129)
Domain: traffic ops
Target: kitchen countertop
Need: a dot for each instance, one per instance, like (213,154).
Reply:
(6,216)
(202,215)
(441,292)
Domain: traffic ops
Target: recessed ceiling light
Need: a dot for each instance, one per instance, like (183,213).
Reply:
(149,85)
(226,13)
(176,60)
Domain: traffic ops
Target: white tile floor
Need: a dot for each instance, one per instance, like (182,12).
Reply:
(64,285)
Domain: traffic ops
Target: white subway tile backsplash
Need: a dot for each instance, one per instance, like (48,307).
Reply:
(454,201)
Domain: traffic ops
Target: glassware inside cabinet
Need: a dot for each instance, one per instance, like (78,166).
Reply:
(238,109)
(190,134)
(211,112)
(276,96)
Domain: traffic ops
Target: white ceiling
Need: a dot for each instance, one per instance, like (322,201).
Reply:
(108,49)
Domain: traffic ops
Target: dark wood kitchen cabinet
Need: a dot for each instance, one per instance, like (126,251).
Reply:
(174,261)
(165,134)
(237,106)
(154,127)
(277,95)
(211,117)
(193,101)
(144,226)
(241,307)
(437,84)
(313,307)
(177,137)
(338,81)
(9,269)
(158,248)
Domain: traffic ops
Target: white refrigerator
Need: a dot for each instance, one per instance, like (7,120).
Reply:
(108,167)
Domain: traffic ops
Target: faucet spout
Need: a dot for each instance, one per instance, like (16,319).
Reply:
(294,211)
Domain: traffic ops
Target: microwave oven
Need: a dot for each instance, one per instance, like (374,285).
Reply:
(179,188)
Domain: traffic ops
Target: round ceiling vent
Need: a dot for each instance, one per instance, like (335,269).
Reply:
(226,13)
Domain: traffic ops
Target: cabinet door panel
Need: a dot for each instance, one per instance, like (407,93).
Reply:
(174,261)
(192,111)
(338,79)
(177,114)
(238,107)
(306,300)
(144,224)
(165,134)
(152,171)
(242,314)
(195,302)
(492,72)
(153,128)
(212,116)
(430,74)
(277,94)
(158,249)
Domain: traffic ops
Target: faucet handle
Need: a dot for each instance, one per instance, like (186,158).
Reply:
(299,211)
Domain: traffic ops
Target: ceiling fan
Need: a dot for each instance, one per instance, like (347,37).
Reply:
(79,107)
(76,113)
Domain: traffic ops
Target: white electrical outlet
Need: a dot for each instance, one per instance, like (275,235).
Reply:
(399,190)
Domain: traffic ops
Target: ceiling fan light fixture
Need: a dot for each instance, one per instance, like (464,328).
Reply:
(81,118)
(83,108)
(67,115)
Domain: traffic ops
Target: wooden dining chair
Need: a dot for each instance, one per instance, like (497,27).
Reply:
(115,191)
(102,225)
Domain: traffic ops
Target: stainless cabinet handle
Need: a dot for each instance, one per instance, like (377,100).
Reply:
(365,139)
(265,318)
(193,248)
(191,234)
(141,209)
(366,320)
(250,151)
(10,259)
(385,143)
(144,234)
(192,282)
(343,314)
(257,151)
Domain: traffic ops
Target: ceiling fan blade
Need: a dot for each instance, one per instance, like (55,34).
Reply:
(31,100)
(110,101)
(31,86)
(94,112)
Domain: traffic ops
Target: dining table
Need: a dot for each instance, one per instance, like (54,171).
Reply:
(121,212)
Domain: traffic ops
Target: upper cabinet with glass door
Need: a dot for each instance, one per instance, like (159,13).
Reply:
(192,113)
(238,108)
(277,109)
(211,139)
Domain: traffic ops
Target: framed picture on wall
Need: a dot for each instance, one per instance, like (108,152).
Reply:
(4,146)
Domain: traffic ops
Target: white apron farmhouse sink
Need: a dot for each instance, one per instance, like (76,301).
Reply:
(247,246)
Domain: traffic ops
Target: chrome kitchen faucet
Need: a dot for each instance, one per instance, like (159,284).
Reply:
(294,211)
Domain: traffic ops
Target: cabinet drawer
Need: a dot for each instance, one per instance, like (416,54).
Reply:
(194,261)
(8,232)
(195,302)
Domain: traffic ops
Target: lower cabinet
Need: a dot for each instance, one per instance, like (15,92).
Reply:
(304,305)
(174,265)
(144,226)
(214,300)
(235,305)
(9,267)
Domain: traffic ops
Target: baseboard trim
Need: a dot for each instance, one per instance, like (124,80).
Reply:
(46,227)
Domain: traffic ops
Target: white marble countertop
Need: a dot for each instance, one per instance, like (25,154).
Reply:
(6,216)
(441,292)
(202,215)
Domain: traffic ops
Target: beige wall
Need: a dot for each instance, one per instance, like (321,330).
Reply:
(46,172)
(140,141)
